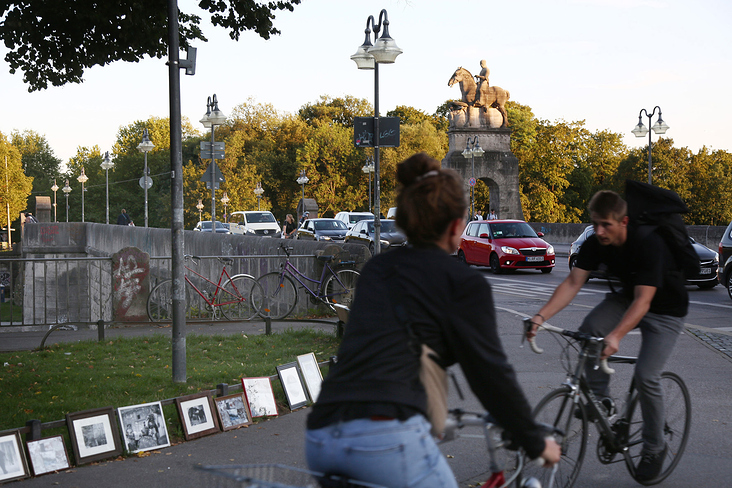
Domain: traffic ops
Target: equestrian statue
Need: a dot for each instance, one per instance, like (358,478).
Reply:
(477,95)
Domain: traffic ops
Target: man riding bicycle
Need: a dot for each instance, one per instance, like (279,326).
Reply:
(653,298)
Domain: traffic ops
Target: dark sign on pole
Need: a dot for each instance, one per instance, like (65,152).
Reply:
(363,131)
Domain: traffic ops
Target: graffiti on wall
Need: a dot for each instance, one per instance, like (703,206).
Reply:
(130,275)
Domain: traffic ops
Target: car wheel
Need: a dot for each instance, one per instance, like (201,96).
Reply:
(572,262)
(546,270)
(729,283)
(372,249)
(495,264)
(461,256)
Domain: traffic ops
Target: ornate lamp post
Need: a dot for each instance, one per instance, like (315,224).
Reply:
(67,189)
(369,169)
(54,189)
(258,191)
(225,200)
(82,179)
(301,180)
(211,119)
(369,56)
(199,206)
(107,164)
(641,130)
(146,182)
(472,149)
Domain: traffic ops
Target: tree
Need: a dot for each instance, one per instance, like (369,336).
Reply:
(38,162)
(54,42)
(15,186)
(336,110)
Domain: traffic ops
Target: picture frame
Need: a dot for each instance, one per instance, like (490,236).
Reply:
(311,374)
(48,455)
(292,385)
(260,396)
(233,411)
(94,435)
(143,427)
(12,454)
(197,415)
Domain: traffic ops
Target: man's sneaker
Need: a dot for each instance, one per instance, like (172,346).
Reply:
(606,402)
(650,465)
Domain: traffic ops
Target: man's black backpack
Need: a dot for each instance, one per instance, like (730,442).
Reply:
(651,208)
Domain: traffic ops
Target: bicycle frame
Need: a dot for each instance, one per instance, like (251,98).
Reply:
(212,301)
(295,273)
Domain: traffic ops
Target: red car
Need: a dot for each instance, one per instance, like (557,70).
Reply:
(505,245)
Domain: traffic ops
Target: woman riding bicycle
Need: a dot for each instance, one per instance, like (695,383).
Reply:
(369,422)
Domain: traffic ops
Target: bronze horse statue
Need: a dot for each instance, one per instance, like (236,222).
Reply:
(489,96)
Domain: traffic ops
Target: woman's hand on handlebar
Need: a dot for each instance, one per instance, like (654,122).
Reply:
(552,452)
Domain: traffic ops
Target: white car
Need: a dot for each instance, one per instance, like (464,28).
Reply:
(255,223)
(351,218)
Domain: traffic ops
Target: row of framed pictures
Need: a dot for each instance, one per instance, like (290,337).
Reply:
(95,434)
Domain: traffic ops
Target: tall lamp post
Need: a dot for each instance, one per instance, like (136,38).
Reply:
(225,200)
(640,130)
(67,189)
(369,56)
(472,149)
(54,189)
(146,182)
(301,180)
(258,191)
(199,206)
(211,119)
(369,169)
(107,164)
(82,179)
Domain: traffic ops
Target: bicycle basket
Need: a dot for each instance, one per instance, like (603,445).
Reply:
(272,476)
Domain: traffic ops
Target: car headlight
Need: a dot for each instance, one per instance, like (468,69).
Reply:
(250,231)
(509,250)
(550,249)
(384,243)
(716,257)
(323,238)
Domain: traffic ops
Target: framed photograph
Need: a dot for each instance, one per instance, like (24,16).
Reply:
(311,374)
(233,411)
(94,435)
(292,384)
(260,396)
(143,427)
(48,455)
(12,458)
(197,415)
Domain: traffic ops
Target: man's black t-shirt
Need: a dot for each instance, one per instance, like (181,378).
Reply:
(641,261)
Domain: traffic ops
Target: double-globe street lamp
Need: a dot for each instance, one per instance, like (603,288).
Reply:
(472,149)
(258,191)
(210,120)
(301,180)
(54,189)
(225,200)
(369,56)
(107,164)
(199,206)
(67,189)
(368,168)
(640,130)
(83,178)
(146,182)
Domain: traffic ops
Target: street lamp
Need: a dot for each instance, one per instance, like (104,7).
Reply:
(472,149)
(369,56)
(368,168)
(258,191)
(67,189)
(225,200)
(54,189)
(146,182)
(641,130)
(107,164)
(82,179)
(211,119)
(301,180)
(199,206)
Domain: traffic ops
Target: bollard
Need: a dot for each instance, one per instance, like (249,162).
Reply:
(268,325)
(222,389)
(332,360)
(100,330)
(34,430)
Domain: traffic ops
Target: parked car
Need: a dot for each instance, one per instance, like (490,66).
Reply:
(350,218)
(505,245)
(725,257)
(255,223)
(708,261)
(391,214)
(205,226)
(322,230)
(390,235)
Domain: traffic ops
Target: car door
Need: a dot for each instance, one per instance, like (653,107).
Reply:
(483,244)
(467,244)
(305,232)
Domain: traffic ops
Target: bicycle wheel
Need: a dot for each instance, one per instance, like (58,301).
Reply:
(160,302)
(234,299)
(342,289)
(276,295)
(677,422)
(558,410)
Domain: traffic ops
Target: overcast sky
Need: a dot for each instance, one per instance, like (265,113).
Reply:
(601,61)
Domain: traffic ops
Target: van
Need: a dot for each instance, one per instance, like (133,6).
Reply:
(350,218)
(391,214)
(255,223)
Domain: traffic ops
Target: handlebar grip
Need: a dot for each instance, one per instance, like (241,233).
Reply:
(534,346)
(605,368)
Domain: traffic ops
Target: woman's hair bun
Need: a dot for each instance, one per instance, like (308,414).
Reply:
(416,168)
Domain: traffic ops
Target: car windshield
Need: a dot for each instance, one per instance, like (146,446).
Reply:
(386,226)
(260,217)
(219,225)
(512,229)
(330,225)
(357,218)
(206,225)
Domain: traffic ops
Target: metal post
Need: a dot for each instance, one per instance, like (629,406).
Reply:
(145,185)
(107,184)
(377,187)
(650,150)
(213,183)
(67,207)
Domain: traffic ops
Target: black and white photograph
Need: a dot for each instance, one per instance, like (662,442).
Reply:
(48,455)
(233,411)
(12,458)
(143,427)
(93,434)
(260,396)
(311,374)
(292,384)
(196,415)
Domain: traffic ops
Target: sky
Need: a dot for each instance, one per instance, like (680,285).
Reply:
(600,61)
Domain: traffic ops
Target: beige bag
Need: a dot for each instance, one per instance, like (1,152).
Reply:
(434,379)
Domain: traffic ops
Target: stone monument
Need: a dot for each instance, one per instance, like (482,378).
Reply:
(481,113)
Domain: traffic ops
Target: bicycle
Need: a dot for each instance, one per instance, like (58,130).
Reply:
(570,407)
(276,296)
(273,476)
(232,299)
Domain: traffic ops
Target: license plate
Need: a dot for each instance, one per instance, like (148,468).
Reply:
(705,271)
(534,259)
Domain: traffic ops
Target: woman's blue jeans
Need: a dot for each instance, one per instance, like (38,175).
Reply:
(390,453)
